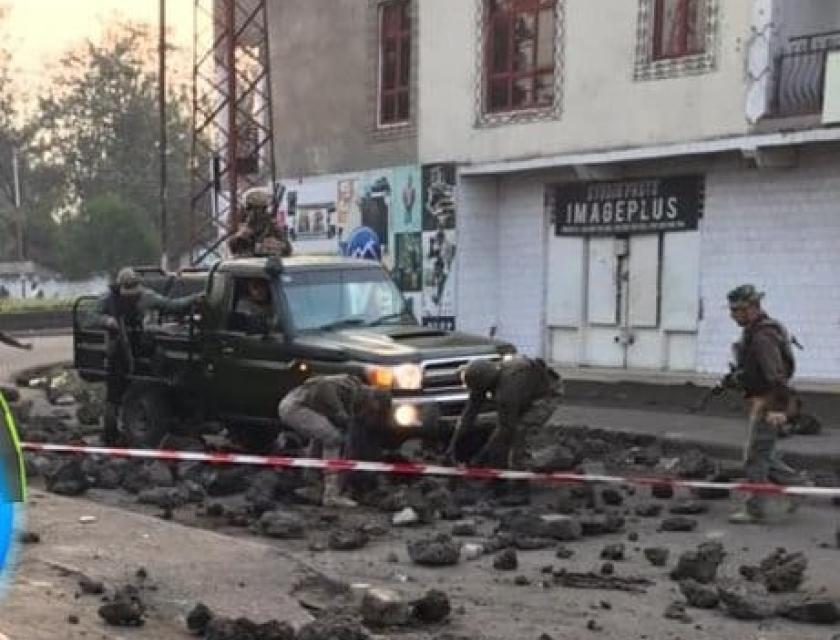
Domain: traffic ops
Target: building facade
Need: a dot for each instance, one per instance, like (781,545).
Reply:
(586,179)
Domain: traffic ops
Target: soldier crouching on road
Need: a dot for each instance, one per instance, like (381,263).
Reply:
(332,412)
(764,365)
(120,313)
(526,393)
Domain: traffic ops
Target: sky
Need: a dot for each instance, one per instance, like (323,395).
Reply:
(37,32)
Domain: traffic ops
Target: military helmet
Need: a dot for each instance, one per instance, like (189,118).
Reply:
(128,280)
(480,375)
(257,198)
(745,294)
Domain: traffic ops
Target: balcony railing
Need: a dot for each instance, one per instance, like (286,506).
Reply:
(799,75)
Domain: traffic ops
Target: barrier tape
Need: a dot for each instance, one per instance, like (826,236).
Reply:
(422,469)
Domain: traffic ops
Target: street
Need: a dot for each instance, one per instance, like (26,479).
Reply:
(205,554)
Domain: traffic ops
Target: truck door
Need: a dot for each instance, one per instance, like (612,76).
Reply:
(250,368)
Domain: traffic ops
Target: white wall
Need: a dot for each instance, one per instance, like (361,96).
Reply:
(61,289)
(501,273)
(603,107)
(779,229)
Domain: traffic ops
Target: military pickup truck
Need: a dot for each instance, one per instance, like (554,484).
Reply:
(227,365)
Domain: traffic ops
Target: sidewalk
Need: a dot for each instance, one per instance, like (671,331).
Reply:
(717,436)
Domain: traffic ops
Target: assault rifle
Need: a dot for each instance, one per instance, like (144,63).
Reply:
(731,381)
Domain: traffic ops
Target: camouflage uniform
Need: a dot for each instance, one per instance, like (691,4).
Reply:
(332,412)
(258,233)
(526,393)
(126,302)
(765,365)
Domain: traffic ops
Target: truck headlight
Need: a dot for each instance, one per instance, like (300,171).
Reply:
(405,376)
(406,415)
(408,376)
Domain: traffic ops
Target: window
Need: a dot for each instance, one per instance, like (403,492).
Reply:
(343,298)
(394,62)
(679,28)
(519,56)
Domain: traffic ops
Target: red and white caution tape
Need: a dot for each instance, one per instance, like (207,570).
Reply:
(421,469)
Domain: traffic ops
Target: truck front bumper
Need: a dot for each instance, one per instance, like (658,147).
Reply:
(420,412)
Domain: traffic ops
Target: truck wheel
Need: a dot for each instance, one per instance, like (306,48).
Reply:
(146,416)
(253,438)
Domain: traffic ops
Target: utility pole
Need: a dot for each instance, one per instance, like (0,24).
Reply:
(162,113)
(18,212)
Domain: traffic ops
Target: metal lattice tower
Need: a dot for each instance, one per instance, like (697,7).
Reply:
(233,142)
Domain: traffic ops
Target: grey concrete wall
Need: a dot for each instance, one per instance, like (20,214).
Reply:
(323,72)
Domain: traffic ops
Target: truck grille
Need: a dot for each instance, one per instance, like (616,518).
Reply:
(443,374)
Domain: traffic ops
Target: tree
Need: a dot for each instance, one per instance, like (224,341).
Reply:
(108,233)
(98,130)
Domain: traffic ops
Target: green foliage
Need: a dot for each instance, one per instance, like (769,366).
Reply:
(91,169)
(34,305)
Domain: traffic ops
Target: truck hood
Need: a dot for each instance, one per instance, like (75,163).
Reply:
(400,343)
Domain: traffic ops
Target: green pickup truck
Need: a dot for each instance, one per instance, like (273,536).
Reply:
(326,315)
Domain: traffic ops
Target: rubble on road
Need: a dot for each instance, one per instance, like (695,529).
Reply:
(280,524)
(676,611)
(433,608)
(745,601)
(348,539)
(701,596)
(613,552)
(577,580)
(198,618)
(678,524)
(701,564)
(506,561)
(810,609)
(69,479)
(437,551)
(125,608)
(242,628)
(329,627)
(779,572)
(384,608)
(657,556)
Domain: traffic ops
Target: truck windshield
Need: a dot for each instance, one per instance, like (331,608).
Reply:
(334,298)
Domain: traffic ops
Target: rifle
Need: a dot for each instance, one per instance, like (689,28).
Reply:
(126,344)
(731,381)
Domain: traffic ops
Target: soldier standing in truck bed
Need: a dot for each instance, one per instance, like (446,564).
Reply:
(259,233)
(526,393)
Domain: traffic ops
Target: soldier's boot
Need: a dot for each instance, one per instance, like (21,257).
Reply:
(110,424)
(751,512)
(332,494)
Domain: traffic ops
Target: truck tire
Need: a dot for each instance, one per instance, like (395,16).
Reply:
(253,438)
(146,416)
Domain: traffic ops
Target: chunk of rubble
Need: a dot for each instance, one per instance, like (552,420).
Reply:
(648,510)
(405,518)
(464,528)
(701,596)
(612,497)
(69,479)
(678,524)
(810,609)
(602,525)
(329,627)
(438,551)
(506,561)
(554,458)
(695,465)
(688,508)
(384,608)
(433,608)
(613,552)
(125,609)
(347,539)
(198,618)
(744,601)
(780,572)
(281,525)
(701,564)
(241,628)
(676,611)
(657,556)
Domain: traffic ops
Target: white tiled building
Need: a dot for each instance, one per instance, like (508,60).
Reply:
(717,117)
(638,94)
